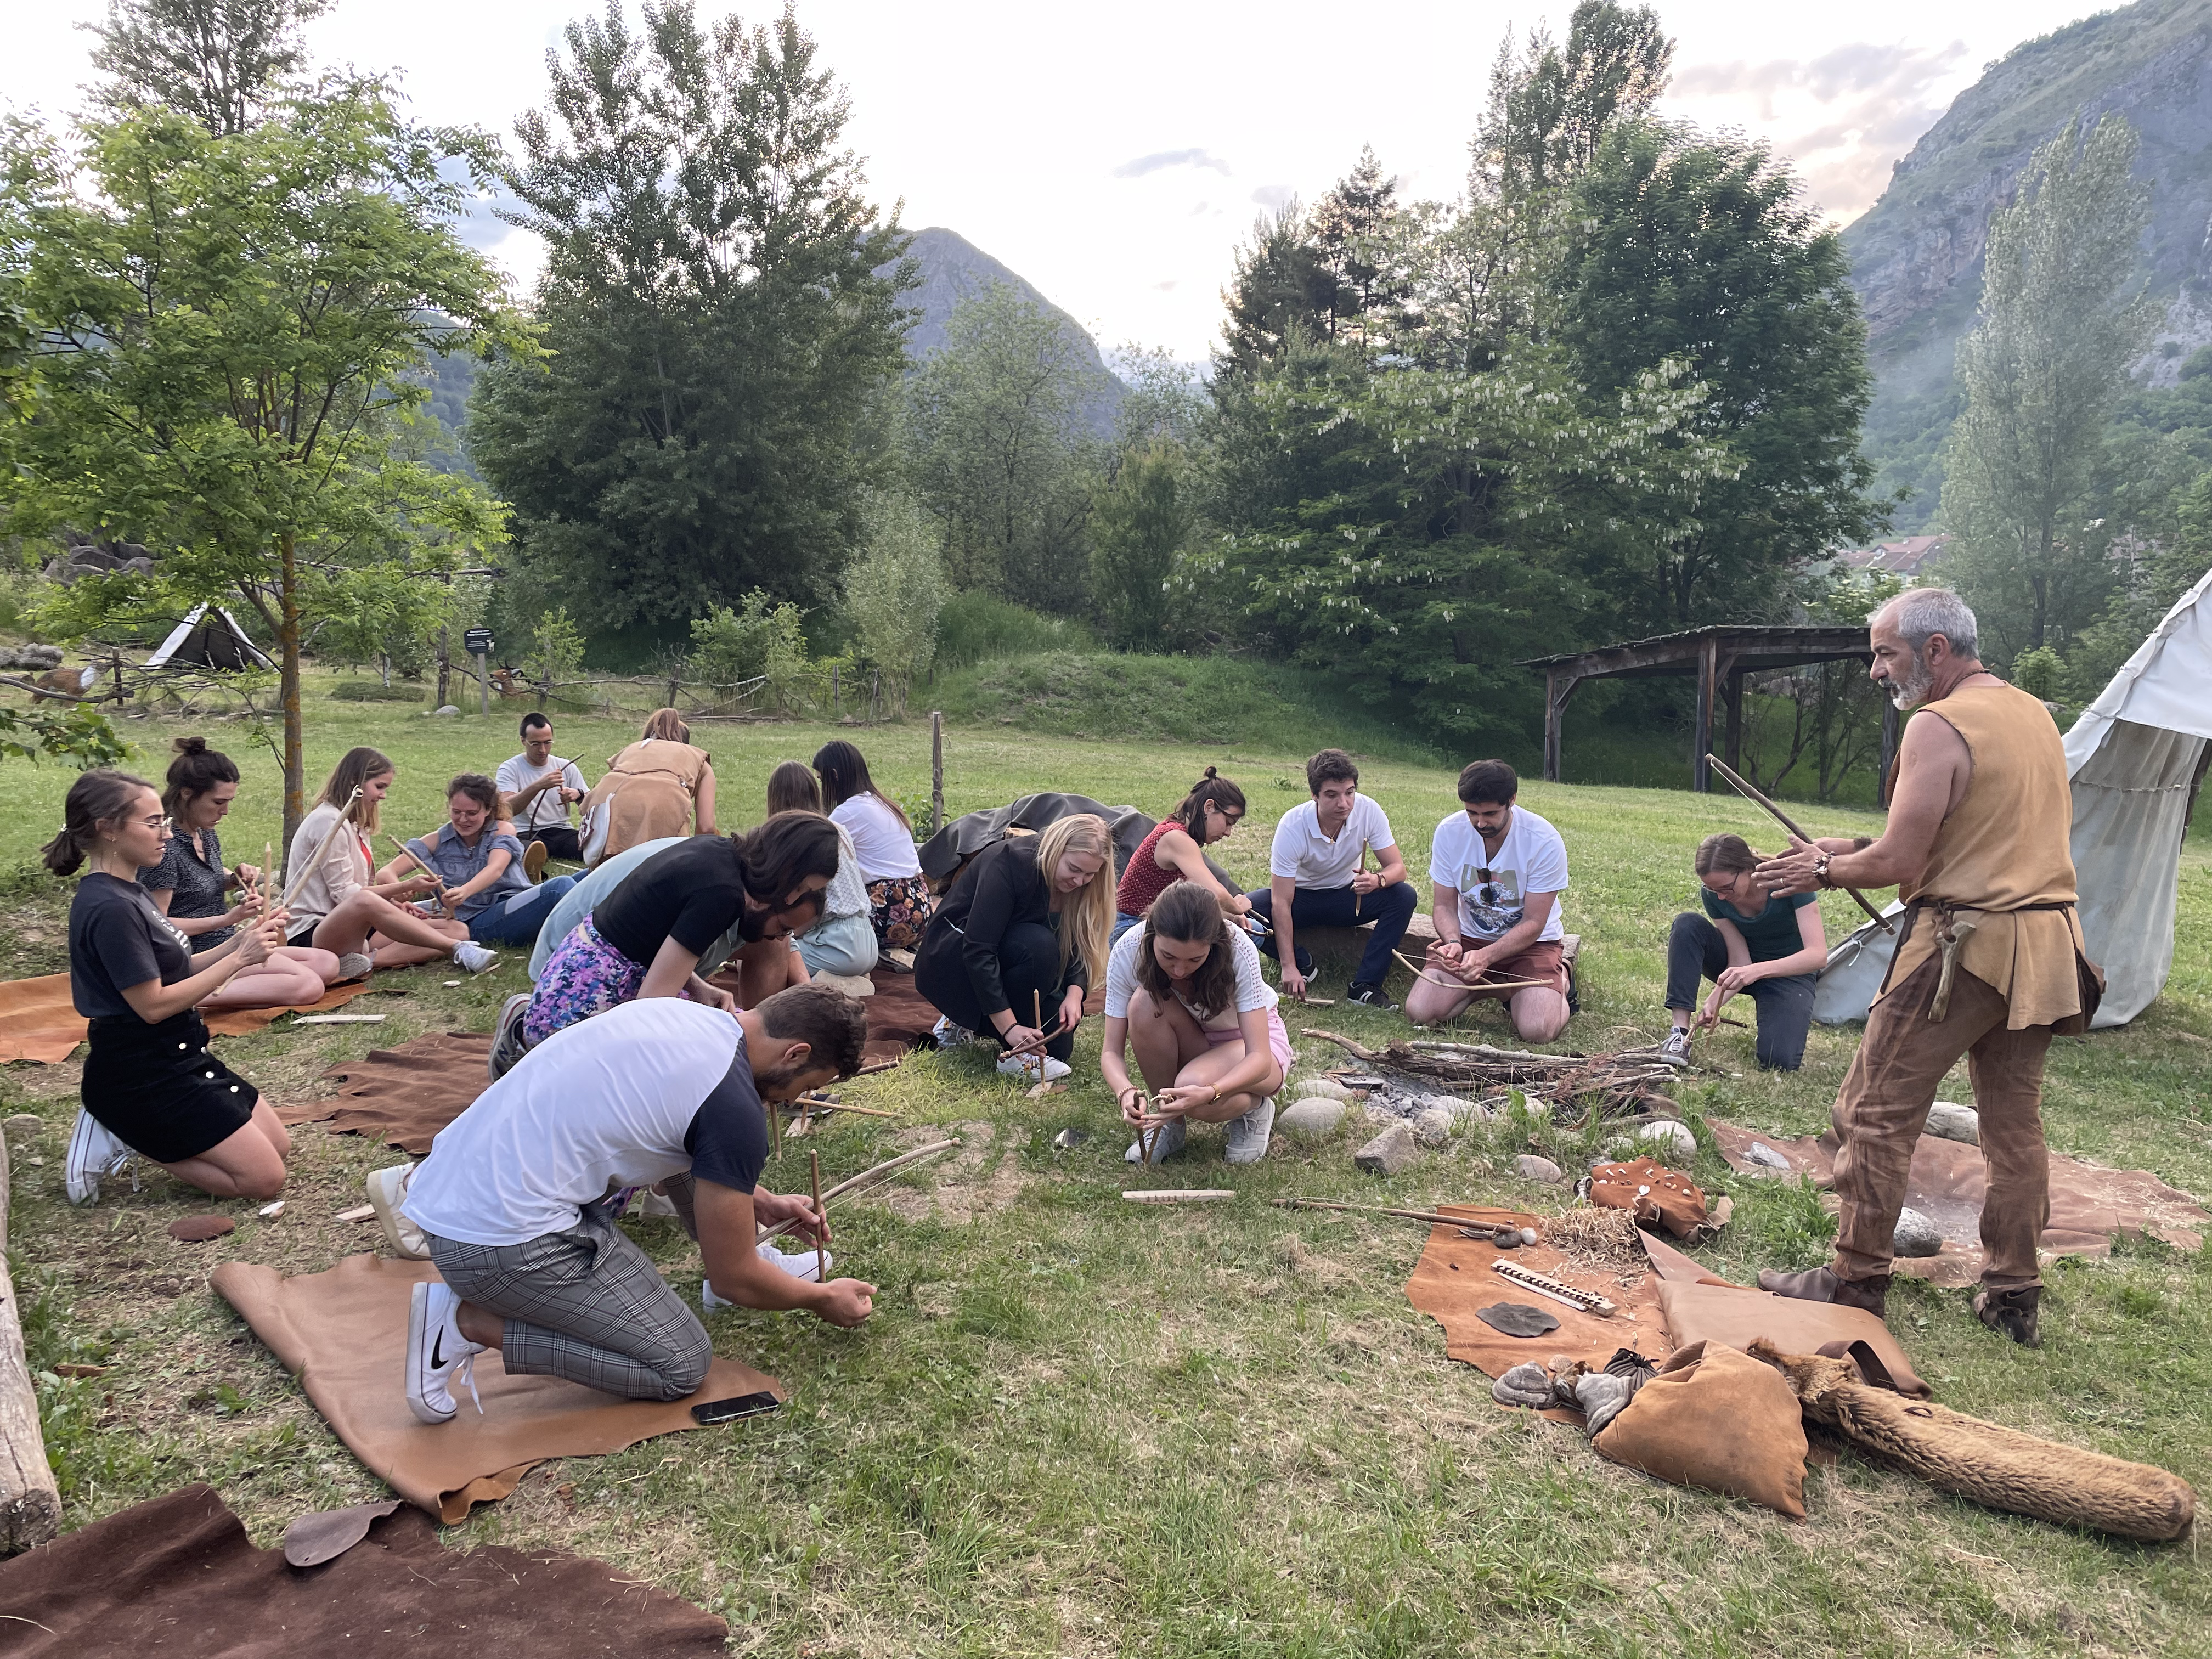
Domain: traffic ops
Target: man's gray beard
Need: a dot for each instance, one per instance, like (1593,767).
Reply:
(1912,690)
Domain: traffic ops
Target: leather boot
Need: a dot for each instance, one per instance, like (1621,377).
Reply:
(1821,1285)
(2013,1312)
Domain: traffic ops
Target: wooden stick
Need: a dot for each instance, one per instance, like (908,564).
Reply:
(438,898)
(1421,970)
(1744,788)
(30,1501)
(300,878)
(776,1127)
(808,1104)
(1434,1217)
(821,1262)
(1146,1140)
(1180,1195)
(1037,1010)
(877,1174)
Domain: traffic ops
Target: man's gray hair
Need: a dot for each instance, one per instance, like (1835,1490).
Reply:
(1921,613)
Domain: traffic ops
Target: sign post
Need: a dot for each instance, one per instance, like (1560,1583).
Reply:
(478,642)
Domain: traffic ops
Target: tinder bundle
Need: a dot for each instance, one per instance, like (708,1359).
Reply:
(1998,1467)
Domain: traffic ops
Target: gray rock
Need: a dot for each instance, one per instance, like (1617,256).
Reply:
(1766,1156)
(1068,1140)
(1433,1128)
(23,1126)
(1529,1167)
(1949,1120)
(1389,1152)
(1326,1087)
(1916,1235)
(1315,1115)
(1667,1141)
(446,709)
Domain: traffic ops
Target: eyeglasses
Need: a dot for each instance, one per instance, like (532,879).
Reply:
(159,821)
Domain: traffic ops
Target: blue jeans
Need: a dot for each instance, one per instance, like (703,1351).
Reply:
(517,920)
(1390,909)
(1123,921)
(1697,953)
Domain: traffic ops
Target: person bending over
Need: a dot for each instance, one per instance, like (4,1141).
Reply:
(1317,877)
(538,790)
(151,1085)
(900,902)
(647,939)
(1175,852)
(513,1199)
(1184,990)
(1497,871)
(1770,945)
(342,906)
(192,888)
(479,867)
(659,786)
(844,940)
(1022,932)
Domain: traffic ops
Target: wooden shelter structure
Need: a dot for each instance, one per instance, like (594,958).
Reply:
(1720,658)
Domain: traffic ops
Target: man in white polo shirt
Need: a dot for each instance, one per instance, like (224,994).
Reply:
(1317,877)
(1497,869)
(539,790)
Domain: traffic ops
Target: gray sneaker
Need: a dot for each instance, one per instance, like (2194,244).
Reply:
(1167,1141)
(507,1048)
(1675,1050)
(1248,1135)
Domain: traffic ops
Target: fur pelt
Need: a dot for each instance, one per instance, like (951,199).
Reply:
(2001,1468)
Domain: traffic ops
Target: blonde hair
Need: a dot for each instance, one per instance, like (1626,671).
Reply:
(1086,917)
(354,770)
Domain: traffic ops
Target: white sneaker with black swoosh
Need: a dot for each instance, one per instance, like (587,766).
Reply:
(437,1353)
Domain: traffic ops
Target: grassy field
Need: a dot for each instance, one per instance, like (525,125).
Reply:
(1078,1427)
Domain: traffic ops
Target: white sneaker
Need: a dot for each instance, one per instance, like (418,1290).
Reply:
(93,1152)
(388,1191)
(1248,1135)
(945,1035)
(473,957)
(437,1353)
(508,1046)
(801,1266)
(1675,1050)
(1167,1141)
(1037,1068)
(354,965)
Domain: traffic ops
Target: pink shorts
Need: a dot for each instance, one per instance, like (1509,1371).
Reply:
(1278,1040)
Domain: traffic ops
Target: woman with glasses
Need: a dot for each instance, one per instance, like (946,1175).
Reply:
(150,1086)
(1175,852)
(1769,946)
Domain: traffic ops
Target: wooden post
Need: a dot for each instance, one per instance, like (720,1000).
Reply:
(445,665)
(1735,719)
(1701,777)
(1892,722)
(30,1502)
(1558,688)
(483,686)
(936,771)
(832,694)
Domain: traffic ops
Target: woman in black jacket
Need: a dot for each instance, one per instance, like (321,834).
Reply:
(1022,934)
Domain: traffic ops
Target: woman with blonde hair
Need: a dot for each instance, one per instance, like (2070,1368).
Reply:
(1020,940)
(341,904)
(1769,946)
(660,786)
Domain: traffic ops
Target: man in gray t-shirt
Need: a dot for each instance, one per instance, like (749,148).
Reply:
(538,791)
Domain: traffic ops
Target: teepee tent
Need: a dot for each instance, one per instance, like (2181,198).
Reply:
(208,640)
(2136,757)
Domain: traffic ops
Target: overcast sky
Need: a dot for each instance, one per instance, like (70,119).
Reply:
(1116,154)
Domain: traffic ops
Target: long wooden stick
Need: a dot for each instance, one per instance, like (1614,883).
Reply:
(30,1499)
(300,877)
(808,1104)
(821,1262)
(1432,1217)
(438,898)
(869,1177)
(1744,787)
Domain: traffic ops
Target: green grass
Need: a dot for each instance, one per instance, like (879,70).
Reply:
(1078,1427)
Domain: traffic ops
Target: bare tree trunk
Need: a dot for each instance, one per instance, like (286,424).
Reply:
(287,642)
(30,1503)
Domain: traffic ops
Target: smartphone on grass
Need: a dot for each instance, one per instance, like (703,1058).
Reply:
(742,1405)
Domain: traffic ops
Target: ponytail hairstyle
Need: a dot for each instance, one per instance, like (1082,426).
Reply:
(1725,854)
(845,774)
(1086,917)
(97,797)
(354,770)
(792,788)
(1211,792)
(782,853)
(668,726)
(1190,915)
(197,770)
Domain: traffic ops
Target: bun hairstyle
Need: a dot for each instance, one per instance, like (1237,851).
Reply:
(1190,914)
(98,796)
(1725,854)
(1213,792)
(197,770)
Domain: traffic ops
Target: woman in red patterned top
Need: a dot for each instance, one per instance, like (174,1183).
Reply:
(1173,853)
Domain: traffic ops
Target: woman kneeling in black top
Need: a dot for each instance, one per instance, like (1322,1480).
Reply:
(1023,932)
(151,1085)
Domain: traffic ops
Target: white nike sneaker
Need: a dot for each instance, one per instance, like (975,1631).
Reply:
(388,1191)
(93,1152)
(473,957)
(437,1353)
(1037,1068)
(799,1267)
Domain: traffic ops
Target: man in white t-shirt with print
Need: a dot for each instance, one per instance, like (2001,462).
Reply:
(1497,869)
(1317,877)
(539,790)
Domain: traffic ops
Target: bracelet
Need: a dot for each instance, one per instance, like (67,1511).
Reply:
(1216,1101)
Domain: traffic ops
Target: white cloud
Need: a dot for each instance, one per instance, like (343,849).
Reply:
(1161,160)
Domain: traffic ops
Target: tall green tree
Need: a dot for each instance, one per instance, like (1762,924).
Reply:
(721,302)
(1550,105)
(222,63)
(1141,526)
(1700,250)
(221,325)
(2064,317)
(998,449)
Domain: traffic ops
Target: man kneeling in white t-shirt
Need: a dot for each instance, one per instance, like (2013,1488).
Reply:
(1497,869)
(513,1199)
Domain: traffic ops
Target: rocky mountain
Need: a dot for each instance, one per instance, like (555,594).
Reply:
(1916,254)
(952,268)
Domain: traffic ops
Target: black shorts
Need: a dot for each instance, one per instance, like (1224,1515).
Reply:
(561,842)
(157,1089)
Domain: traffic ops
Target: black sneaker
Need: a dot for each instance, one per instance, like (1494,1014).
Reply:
(1372,996)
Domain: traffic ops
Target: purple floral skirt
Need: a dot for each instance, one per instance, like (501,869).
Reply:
(585,975)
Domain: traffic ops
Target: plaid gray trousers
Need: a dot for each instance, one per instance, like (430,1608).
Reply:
(585,1305)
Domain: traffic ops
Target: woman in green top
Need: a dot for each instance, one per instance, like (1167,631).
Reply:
(1769,947)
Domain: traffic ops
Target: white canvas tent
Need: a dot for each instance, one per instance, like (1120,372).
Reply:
(202,641)
(2136,757)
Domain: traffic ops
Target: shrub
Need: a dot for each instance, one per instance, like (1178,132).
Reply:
(980,627)
(375,691)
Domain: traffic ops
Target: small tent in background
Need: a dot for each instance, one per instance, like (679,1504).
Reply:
(209,639)
(2137,758)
